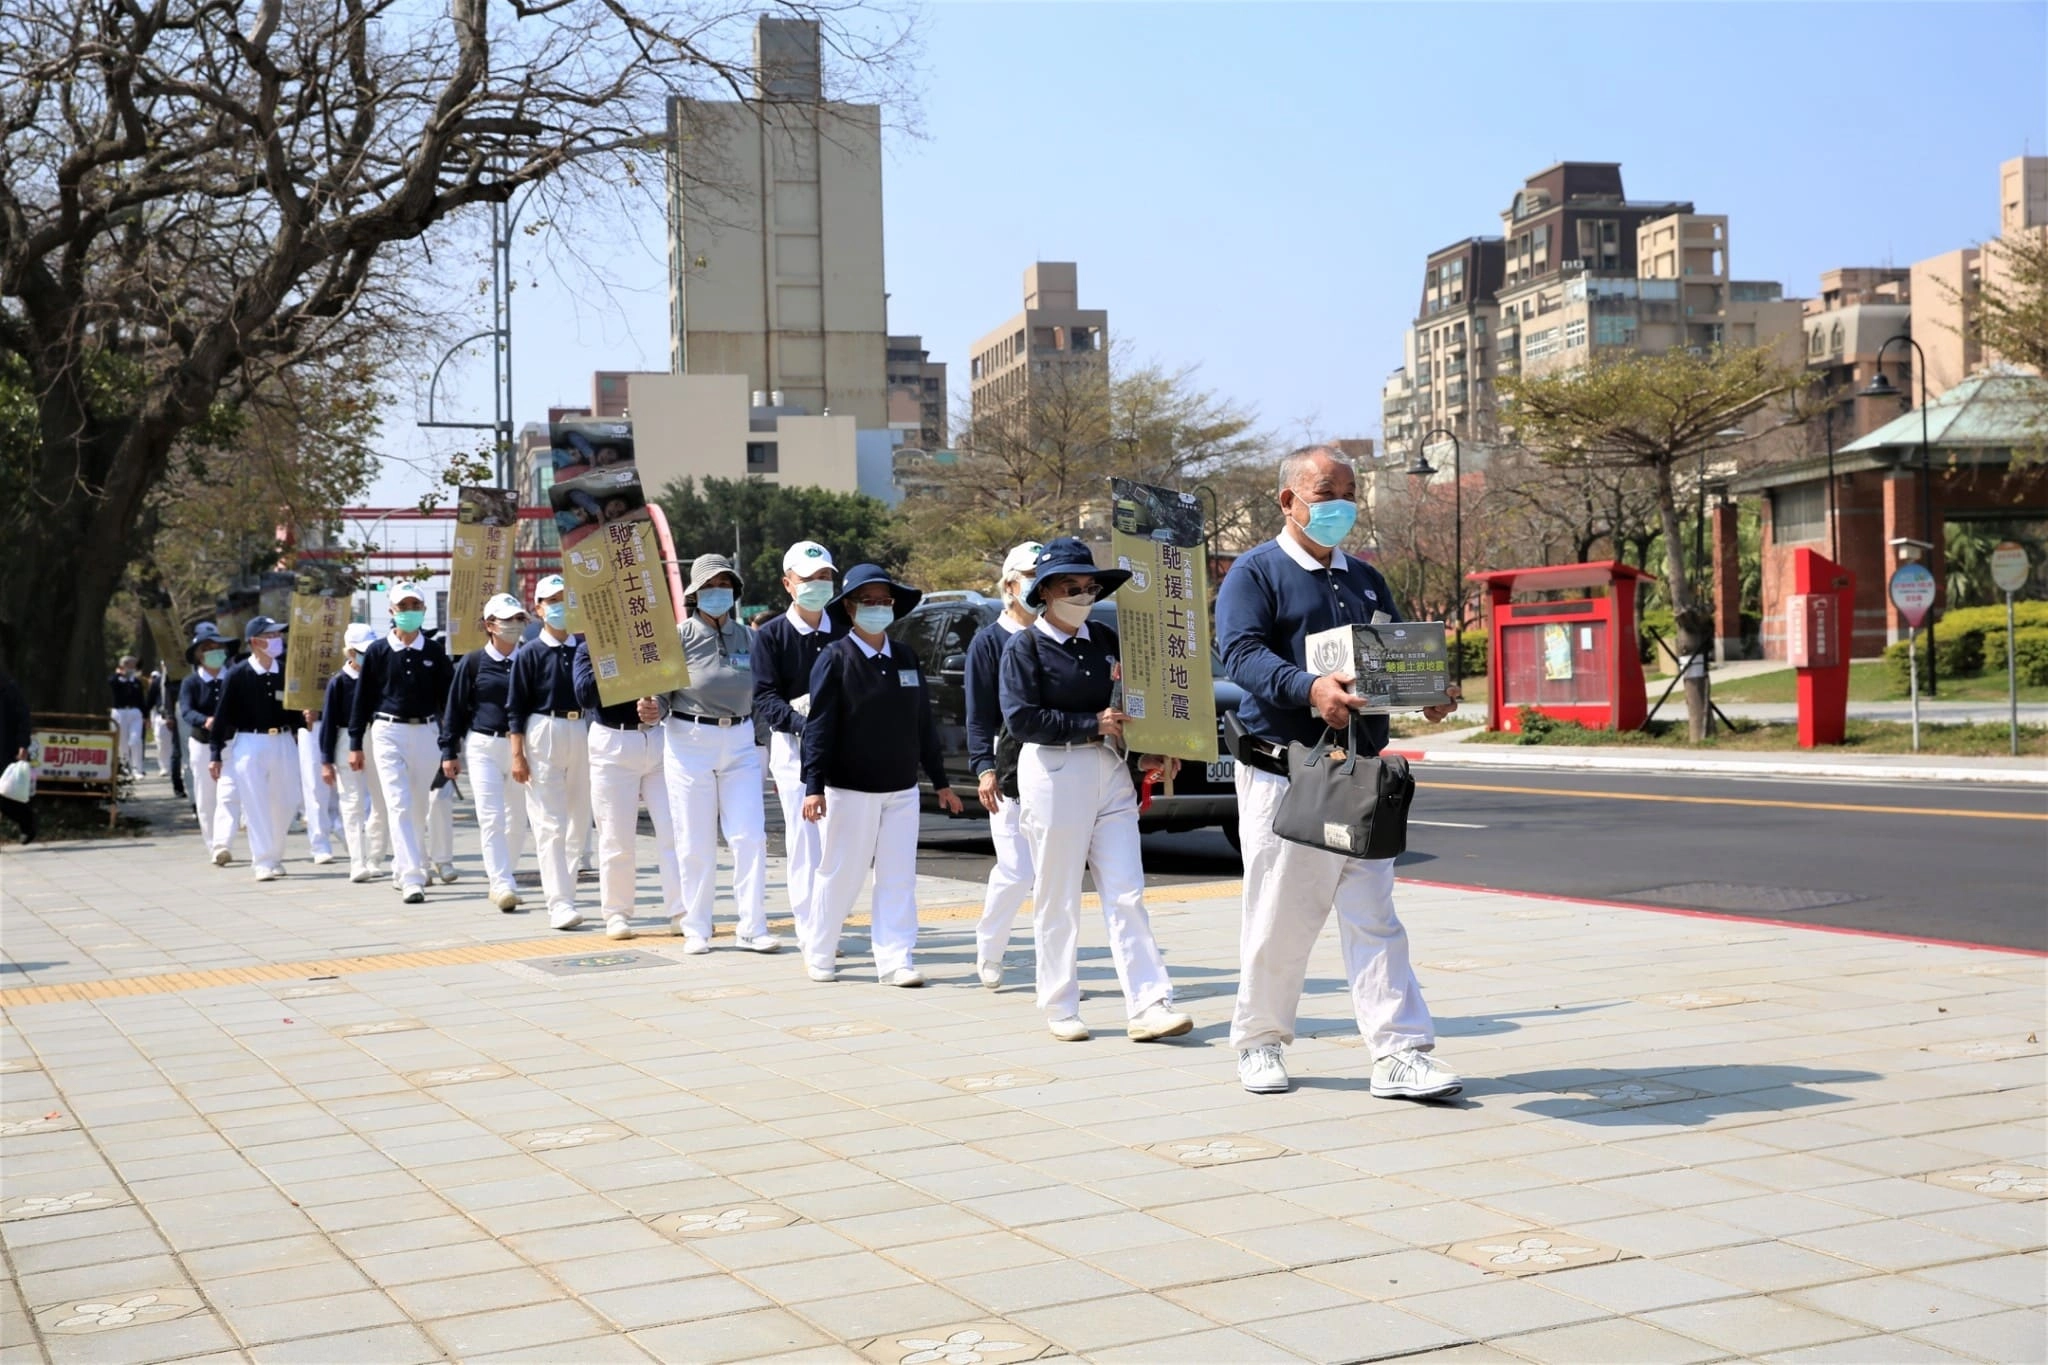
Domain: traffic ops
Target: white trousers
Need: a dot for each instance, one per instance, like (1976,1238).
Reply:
(317,800)
(714,784)
(267,779)
(1289,890)
(557,801)
(216,803)
(166,745)
(500,808)
(406,757)
(128,737)
(1080,812)
(440,819)
(1009,882)
(802,840)
(364,827)
(625,770)
(863,830)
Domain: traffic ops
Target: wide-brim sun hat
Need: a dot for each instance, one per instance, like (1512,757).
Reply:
(1067,555)
(704,568)
(861,576)
(203,634)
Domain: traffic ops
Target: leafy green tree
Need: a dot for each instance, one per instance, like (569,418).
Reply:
(766,519)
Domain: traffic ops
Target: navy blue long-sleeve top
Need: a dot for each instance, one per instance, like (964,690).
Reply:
(411,683)
(984,683)
(128,693)
(624,716)
(543,681)
(477,698)
(783,659)
(198,698)
(1267,608)
(871,722)
(1053,689)
(335,709)
(251,703)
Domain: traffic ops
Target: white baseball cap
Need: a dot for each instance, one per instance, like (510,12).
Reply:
(401,591)
(503,607)
(806,557)
(549,586)
(1023,559)
(358,636)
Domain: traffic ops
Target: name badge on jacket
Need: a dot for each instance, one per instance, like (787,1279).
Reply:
(909,677)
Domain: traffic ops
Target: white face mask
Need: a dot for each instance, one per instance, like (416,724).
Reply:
(1068,614)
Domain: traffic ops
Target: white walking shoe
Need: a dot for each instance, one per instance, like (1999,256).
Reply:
(760,943)
(991,974)
(446,872)
(362,874)
(906,976)
(221,857)
(696,945)
(822,975)
(1158,1020)
(1412,1074)
(617,926)
(505,898)
(1262,1071)
(413,895)
(1069,1029)
(563,917)
(322,859)
(269,874)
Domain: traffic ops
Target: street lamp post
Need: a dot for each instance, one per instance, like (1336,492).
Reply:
(1882,387)
(1422,469)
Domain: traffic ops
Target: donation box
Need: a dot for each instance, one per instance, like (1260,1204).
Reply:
(1562,651)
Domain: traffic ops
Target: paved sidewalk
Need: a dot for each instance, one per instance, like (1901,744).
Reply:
(299,1122)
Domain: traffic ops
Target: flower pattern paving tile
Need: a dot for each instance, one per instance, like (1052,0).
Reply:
(16,1065)
(382,1026)
(703,993)
(1533,1252)
(1631,1094)
(826,1033)
(312,992)
(1228,1149)
(967,1343)
(29,1125)
(110,1311)
(724,1222)
(17,1207)
(1694,1000)
(564,1138)
(1993,1049)
(1999,1179)
(456,1075)
(998,1080)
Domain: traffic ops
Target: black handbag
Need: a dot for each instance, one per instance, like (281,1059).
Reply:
(1345,802)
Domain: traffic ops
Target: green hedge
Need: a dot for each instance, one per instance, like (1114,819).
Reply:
(2025,615)
(2031,656)
(1960,654)
(1474,657)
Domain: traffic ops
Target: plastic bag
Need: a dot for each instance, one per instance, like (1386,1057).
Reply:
(18,783)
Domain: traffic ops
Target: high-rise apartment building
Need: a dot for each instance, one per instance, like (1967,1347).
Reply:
(1859,309)
(1579,269)
(1945,288)
(775,234)
(917,394)
(1045,348)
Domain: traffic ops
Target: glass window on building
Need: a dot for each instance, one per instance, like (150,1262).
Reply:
(1614,330)
(1575,333)
(1799,512)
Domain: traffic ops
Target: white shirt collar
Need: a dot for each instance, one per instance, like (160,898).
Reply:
(1292,549)
(1053,631)
(257,665)
(552,643)
(419,640)
(803,627)
(869,649)
(491,648)
(1009,624)
(353,670)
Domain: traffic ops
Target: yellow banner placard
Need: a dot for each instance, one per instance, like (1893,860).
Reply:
(619,590)
(1163,622)
(486,534)
(314,649)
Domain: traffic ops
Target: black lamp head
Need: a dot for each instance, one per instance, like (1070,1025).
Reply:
(1422,468)
(1881,386)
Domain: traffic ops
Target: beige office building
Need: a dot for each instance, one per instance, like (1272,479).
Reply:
(1945,288)
(713,426)
(1027,355)
(775,253)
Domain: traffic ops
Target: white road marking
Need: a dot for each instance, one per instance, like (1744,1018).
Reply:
(1446,824)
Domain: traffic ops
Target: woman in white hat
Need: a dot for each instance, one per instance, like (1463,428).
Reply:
(1009,881)
(475,730)
(712,765)
(363,826)
(786,647)
(550,749)
(393,731)
(255,732)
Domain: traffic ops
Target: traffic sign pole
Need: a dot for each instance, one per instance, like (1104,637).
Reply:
(1913,683)
(2009,569)
(1912,592)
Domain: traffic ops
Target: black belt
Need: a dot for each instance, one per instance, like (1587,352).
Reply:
(488,734)
(404,720)
(561,715)
(629,726)
(722,722)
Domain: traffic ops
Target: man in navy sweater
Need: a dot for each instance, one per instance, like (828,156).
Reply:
(251,715)
(363,826)
(1273,598)
(550,744)
(396,720)
(785,650)
(214,800)
(1009,881)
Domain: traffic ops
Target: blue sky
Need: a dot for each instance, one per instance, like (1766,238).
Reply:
(1252,188)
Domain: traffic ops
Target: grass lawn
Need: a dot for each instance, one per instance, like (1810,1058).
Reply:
(1869,682)
(1863,736)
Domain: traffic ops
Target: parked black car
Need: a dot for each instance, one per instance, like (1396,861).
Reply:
(940,629)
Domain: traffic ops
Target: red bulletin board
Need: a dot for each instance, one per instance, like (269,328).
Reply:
(1571,658)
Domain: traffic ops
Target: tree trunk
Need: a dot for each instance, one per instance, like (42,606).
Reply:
(1692,622)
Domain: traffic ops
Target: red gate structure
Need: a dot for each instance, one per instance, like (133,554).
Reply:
(1570,658)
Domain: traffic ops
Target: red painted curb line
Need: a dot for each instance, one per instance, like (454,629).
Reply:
(1731,919)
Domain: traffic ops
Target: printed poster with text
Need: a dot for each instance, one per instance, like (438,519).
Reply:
(319,627)
(618,587)
(1163,621)
(486,534)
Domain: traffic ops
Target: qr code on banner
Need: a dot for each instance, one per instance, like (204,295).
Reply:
(608,668)
(1134,705)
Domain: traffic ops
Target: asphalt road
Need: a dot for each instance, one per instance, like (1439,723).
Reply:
(1967,864)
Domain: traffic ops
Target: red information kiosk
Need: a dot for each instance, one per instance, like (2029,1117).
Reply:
(1820,614)
(1571,658)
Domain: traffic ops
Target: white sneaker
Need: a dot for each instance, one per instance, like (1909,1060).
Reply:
(695,945)
(759,943)
(1262,1070)
(322,859)
(413,895)
(1412,1074)
(822,974)
(221,857)
(269,874)
(617,926)
(505,898)
(991,973)
(906,976)
(362,874)
(1069,1029)
(563,917)
(446,872)
(1158,1020)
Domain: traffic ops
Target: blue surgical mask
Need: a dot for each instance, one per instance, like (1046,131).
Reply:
(214,658)
(1329,522)
(874,620)
(555,614)
(814,596)
(715,601)
(408,621)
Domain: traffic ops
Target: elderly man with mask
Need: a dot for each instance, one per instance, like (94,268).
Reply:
(213,794)
(363,827)
(550,747)
(252,716)
(1273,598)
(786,648)
(395,722)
